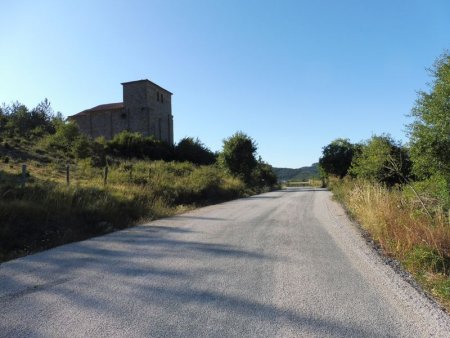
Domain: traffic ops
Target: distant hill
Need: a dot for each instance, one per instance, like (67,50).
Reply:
(300,174)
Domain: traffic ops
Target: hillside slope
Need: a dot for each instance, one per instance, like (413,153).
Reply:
(300,174)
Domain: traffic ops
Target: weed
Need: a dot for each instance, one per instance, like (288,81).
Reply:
(396,220)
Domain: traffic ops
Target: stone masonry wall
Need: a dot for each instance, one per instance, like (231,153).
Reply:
(147,110)
(148,115)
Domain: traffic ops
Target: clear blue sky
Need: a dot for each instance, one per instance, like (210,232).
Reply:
(294,75)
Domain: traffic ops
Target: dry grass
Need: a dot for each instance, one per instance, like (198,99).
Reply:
(47,212)
(396,220)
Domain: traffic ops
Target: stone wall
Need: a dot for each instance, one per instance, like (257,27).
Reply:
(119,120)
(150,109)
(84,123)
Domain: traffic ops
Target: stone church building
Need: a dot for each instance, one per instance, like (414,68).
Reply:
(146,108)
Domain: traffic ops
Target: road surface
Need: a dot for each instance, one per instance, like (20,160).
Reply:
(282,264)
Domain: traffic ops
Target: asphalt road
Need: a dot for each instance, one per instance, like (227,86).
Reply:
(282,264)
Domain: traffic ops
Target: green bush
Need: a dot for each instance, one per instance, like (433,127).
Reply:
(423,258)
(64,138)
(382,160)
(82,147)
(193,150)
(434,191)
(134,145)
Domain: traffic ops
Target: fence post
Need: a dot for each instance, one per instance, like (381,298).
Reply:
(24,175)
(68,174)
(105,176)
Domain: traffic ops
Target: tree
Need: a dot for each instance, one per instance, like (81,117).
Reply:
(3,117)
(337,157)
(382,160)
(193,150)
(430,131)
(41,117)
(238,155)
(19,120)
(263,174)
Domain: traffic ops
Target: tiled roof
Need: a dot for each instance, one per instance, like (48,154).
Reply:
(107,106)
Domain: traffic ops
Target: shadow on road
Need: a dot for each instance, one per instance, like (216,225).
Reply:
(79,275)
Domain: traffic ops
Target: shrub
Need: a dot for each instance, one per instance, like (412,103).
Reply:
(134,145)
(382,160)
(193,150)
(64,138)
(434,192)
(82,147)
(421,258)
(98,152)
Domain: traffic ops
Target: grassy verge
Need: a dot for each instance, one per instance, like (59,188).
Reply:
(47,212)
(397,221)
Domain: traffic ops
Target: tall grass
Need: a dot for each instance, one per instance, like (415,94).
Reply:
(47,212)
(396,219)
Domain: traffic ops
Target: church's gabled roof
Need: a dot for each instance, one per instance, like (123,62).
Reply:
(101,107)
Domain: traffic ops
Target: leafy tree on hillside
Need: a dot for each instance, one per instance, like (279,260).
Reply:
(430,131)
(17,119)
(3,118)
(382,160)
(238,155)
(193,150)
(337,157)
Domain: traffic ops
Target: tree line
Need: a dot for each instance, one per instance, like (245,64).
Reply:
(423,161)
(50,131)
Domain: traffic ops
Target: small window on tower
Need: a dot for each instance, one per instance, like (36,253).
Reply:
(157,96)
(162,98)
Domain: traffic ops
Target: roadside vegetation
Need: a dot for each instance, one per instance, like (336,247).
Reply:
(400,193)
(75,187)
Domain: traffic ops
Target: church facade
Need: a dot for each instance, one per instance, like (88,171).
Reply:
(146,108)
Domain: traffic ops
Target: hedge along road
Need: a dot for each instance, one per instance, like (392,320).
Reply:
(282,264)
